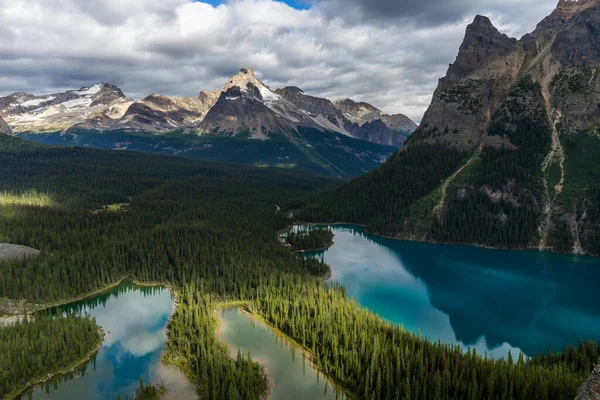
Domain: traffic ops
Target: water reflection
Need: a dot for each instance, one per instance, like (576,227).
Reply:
(493,300)
(134,320)
(290,372)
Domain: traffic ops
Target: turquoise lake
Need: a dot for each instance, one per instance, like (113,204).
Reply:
(491,300)
(134,320)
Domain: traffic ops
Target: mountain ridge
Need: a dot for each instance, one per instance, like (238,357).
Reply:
(104,107)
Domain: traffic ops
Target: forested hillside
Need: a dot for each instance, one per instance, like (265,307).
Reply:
(210,231)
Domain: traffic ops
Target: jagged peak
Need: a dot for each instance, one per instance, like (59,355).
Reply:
(570,4)
(482,20)
(291,89)
(352,102)
(243,78)
(482,44)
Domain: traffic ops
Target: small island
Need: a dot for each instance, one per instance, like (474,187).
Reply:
(310,239)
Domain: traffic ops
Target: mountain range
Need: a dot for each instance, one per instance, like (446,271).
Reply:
(282,127)
(507,152)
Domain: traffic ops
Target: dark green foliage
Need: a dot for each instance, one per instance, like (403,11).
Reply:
(144,392)
(465,94)
(374,359)
(32,349)
(310,239)
(309,150)
(572,80)
(210,231)
(381,198)
(192,338)
(591,224)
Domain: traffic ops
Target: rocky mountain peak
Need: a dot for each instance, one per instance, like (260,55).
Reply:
(242,79)
(482,44)
(482,21)
(351,106)
(575,4)
(292,90)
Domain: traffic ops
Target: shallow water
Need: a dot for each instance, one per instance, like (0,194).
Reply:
(492,300)
(291,373)
(134,320)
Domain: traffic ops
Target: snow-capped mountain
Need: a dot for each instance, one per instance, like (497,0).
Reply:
(248,105)
(243,105)
(245,122)
(60,111)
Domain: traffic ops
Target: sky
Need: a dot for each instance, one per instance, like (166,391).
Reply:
(389,53)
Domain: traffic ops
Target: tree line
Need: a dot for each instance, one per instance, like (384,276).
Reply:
(35,347)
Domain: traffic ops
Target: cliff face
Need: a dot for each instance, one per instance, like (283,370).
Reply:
(4,128)
(487,65)
(591,389)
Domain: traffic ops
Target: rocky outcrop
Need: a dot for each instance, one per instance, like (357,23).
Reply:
(16,252)
(487,65)
(4,128)
(313,105)
(590,390)
(562,54)
(482,44)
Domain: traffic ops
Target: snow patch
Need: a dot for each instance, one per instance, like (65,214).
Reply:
(78,103)
(232,98)
(37,102)
(268,96)
(91,90)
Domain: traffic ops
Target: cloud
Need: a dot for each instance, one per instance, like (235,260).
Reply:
(389,53)
(428,12)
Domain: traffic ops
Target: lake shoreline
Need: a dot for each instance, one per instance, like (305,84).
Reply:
(179,384)
(306,352)
(410,239)
(170,369)
(63,371)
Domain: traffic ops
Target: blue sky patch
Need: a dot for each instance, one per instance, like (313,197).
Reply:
(297,4)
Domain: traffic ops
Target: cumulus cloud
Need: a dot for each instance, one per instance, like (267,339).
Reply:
(387,52)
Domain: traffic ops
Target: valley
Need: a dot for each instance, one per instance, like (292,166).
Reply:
(210,232)
(246,122)
(255,242)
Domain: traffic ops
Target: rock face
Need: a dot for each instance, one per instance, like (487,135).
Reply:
(16,252)
(561,54)
(591,389)
(4,128)
(487,65)
(158,113)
